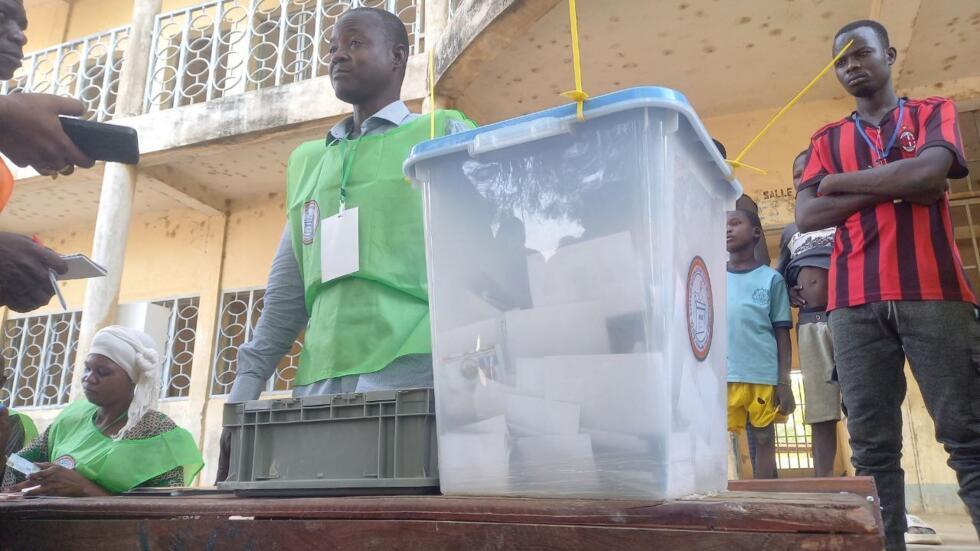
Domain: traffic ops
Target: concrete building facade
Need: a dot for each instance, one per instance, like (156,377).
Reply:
(221,92)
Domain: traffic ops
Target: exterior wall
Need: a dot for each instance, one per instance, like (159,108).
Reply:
(93,16)
(181,252)
(930,485)
(46,24)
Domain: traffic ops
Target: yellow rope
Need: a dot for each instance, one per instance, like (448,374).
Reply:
(737,162)
(577,95)
(740,164)
(432,94)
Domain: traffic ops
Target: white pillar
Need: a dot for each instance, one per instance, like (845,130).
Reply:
(118,188)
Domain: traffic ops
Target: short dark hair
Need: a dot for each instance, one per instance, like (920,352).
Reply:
(752,217)
(392,27)
(875,26)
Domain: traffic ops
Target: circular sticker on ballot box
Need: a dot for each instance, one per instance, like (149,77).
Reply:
(700,309)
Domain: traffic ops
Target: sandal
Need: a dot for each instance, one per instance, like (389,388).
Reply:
(920,533)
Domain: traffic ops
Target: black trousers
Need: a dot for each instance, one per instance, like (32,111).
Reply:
(942,343)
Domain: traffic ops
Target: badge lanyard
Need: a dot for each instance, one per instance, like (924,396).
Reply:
(882,155)
(345,172)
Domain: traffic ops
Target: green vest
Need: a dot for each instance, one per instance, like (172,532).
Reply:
(122,465)
(30,429)
(362,322)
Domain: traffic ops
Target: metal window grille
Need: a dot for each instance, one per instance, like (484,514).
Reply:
(794,441)
(240,311)
(228,47)
(86,69)
(38,354)
(965,218)
(179,353)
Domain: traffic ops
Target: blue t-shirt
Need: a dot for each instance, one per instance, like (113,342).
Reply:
(758,302)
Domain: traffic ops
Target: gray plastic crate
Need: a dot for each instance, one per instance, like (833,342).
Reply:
(381,442)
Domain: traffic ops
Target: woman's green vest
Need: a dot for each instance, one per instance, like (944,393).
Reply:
(118,465)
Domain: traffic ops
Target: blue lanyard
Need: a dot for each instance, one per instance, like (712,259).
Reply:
(882,154)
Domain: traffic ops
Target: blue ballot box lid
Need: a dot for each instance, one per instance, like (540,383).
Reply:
(560,120)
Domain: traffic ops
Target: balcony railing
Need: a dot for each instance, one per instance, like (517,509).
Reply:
(229,47)
(87,69)
(204,52)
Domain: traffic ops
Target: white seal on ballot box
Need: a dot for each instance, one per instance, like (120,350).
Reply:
(311,220)
(700,309)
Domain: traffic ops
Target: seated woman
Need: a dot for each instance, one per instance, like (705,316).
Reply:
(114,441)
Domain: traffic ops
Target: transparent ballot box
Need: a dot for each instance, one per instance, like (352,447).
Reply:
(576,276)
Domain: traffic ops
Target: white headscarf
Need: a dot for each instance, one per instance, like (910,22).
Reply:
(136,353)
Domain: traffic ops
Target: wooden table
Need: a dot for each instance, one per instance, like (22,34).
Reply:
(751,520)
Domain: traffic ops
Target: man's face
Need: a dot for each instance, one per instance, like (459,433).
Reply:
(362,61)
(13,22)
(867,65)
(740,233)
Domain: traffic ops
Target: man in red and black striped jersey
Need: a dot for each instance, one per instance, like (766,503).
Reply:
(897,287)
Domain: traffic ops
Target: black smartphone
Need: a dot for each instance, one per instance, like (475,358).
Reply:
(103,142)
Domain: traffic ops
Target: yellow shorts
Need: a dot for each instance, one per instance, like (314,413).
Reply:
(752,401)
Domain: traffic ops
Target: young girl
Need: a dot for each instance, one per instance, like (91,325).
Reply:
(758,343)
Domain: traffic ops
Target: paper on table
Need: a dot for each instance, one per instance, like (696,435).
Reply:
(81,267)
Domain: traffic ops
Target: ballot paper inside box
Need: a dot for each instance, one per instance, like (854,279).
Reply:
(576,285)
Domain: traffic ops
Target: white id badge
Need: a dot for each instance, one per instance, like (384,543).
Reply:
(339,245)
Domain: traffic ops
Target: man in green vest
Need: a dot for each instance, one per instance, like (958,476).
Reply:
(350,267)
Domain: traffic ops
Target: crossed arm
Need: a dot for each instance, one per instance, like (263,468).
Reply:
(920,180)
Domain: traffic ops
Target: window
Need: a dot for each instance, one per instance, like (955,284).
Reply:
(240,311)
(86,69)
(38,354)
(179,355)
(794,442)
(282,50)
(98,85)
(965,200)
(192,58)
